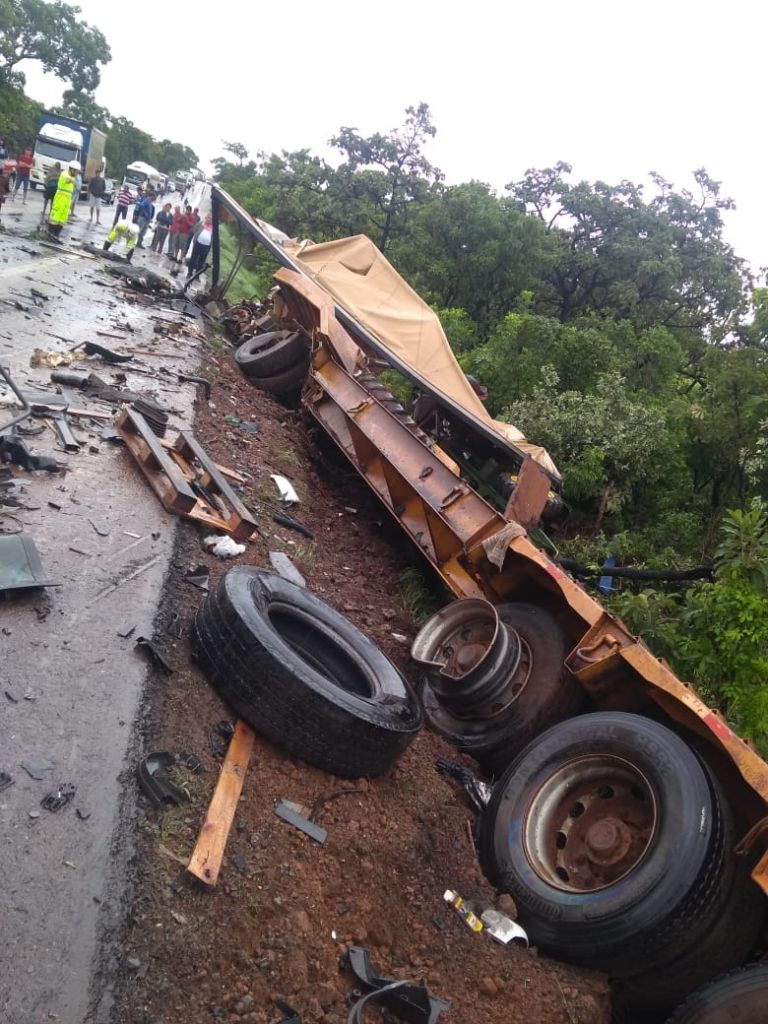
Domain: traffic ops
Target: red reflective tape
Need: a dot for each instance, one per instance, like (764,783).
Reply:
(718,726)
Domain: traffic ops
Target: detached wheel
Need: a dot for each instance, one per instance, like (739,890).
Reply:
(740,997)
(267,354)
(303,676)
(287,380)
(610,835)
(542,694)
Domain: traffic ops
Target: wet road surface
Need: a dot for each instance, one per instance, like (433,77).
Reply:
(70,686)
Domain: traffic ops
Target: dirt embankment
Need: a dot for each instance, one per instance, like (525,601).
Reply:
(286,908)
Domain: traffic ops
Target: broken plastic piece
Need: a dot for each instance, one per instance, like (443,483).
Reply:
(55,801)
(13,449)
(92,349)
(406,1000)
(154,781)
(478,792)
(293,524)
(20,565)
(155,653)
(502,928)
(199,577)
(282,564)
(285,488)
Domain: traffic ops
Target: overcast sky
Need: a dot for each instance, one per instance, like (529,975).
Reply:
(614,88)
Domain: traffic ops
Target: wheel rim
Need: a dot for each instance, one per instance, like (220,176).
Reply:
(590,823)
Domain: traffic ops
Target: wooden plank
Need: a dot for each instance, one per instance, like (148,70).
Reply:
(205,862)
(162,473)
(231,474)
(242,523)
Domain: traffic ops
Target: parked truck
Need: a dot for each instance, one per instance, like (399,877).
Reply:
(61,139)
(142,174)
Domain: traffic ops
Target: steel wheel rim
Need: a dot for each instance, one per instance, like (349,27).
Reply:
(590,823)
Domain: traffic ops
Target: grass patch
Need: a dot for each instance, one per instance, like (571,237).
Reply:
(305,555)
(418,599)
(253,268)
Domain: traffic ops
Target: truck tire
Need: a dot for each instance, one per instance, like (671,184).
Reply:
(267,354)
(609,833)
(740,997)
(549,695)
(290,379)
(303,676)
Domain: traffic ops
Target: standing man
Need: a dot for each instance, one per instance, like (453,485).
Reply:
(61,207)
(124,200)
(163,222)
(24,166)
(96,188)
(51,185)
(76,193)
(145,211)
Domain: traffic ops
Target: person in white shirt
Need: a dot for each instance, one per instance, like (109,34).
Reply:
(201,247)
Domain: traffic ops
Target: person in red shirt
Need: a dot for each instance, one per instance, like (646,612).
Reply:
(25,164)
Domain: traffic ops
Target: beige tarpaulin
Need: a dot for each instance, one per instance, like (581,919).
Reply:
(366,284)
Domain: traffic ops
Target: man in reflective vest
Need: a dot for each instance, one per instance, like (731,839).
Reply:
(123,231)
(62,201)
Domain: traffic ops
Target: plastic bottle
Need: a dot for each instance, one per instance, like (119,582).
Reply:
(471,920)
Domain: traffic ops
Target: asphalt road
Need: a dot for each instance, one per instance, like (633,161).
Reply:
(71,689)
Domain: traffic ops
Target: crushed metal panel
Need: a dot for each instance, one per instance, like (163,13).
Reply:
(20,565)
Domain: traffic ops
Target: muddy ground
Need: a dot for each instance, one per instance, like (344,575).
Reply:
(286,908)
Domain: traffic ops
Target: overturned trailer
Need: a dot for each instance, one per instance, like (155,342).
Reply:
(628,820)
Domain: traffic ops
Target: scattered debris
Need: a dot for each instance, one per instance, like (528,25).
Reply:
(55,801)
(291,1015)
(35,769)
(20,565)
(82,814)
(406,1000)
(101,530)
(155,654)
(10,697)
(291,812)
(154,780)
(41,358)
(478,792)
(465,913)
(502,928)
(282,564)
(200,577)
(285,488)
(13,449)
(223,547)
(5,781)
(205,862)
(283,519)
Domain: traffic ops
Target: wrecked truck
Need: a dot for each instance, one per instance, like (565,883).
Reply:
(628,820)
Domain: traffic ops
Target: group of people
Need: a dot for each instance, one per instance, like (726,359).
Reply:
(173,232)
(16,170)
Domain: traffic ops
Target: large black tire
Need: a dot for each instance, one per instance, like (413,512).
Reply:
(740,997)
(647,915)
(303,676)
(269,354)
(287,380)
(727,928)
(550,695)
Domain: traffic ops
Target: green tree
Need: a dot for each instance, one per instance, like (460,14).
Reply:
(608,444)
(467,248)
(662,262)
(238,150)
(18,117)
(173,156)
(81,106)
(54,35)
(389,172)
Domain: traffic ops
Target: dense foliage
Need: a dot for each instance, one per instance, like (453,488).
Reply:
(615,325)
(55,35)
